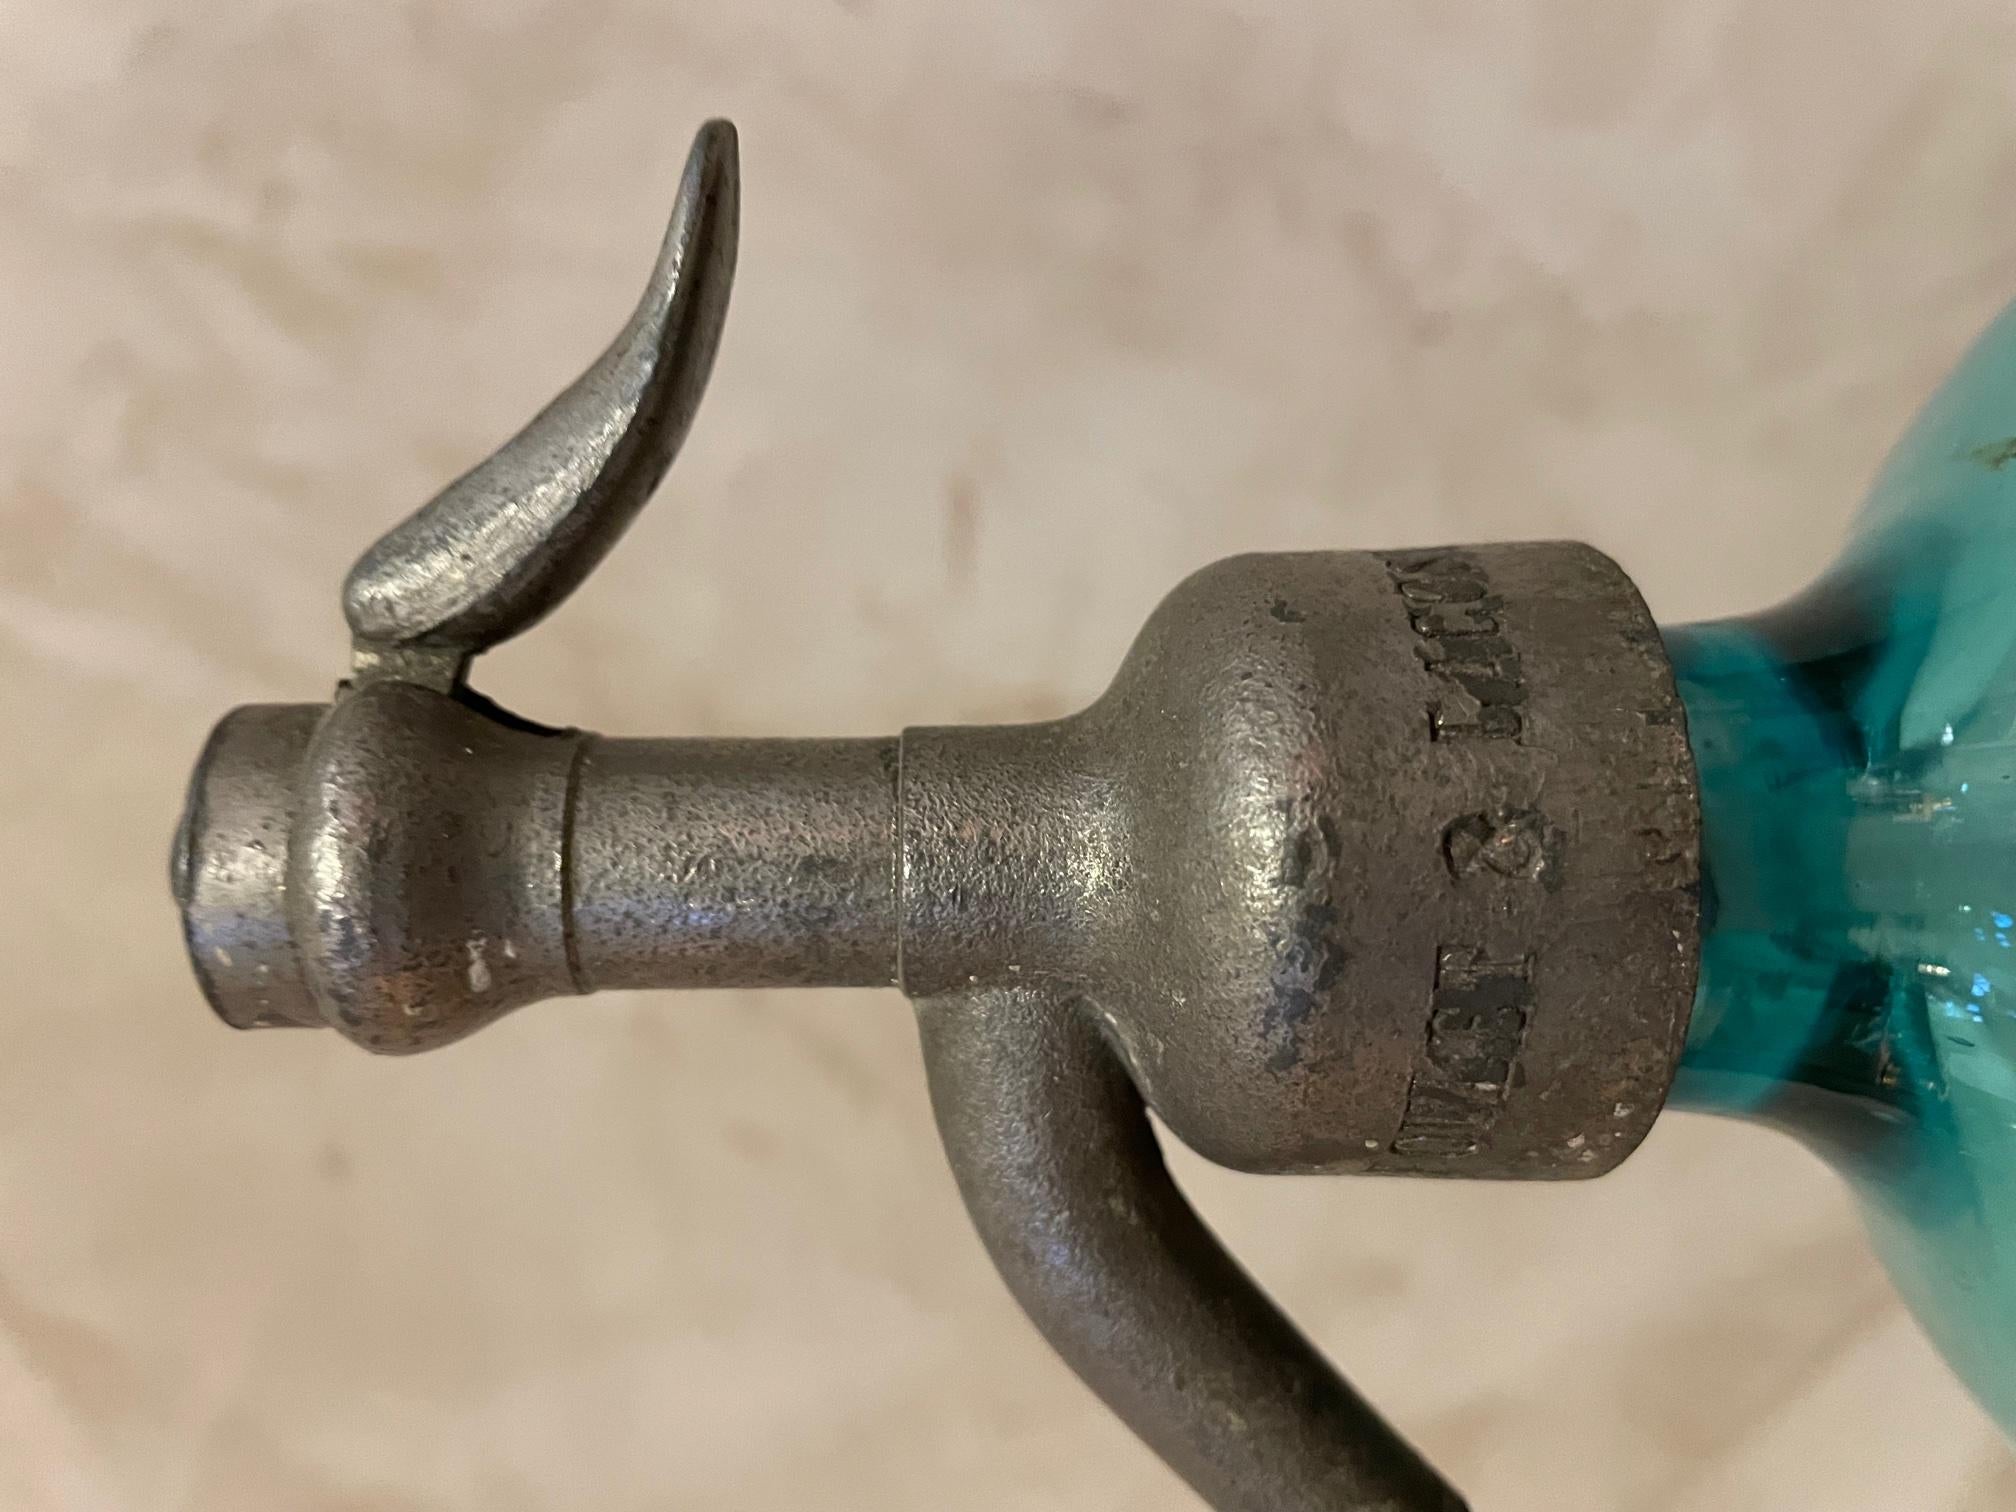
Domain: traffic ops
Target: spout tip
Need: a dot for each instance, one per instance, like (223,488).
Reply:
(228,866)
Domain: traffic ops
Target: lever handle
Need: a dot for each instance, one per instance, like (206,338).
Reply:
(502,545)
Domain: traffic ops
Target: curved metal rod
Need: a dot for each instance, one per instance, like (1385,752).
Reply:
(506,542)
(1061,1171)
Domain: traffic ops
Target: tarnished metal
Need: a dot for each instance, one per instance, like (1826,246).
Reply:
(1060,1170)
(502,545)
(1367,861)
(1349,889)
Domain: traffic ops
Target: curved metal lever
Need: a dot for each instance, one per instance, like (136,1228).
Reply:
(1054,1155)
(502,545)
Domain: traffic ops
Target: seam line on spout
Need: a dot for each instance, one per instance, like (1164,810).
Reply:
(897,858)
(569,803)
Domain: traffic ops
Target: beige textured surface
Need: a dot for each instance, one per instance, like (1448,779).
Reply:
(1041,306)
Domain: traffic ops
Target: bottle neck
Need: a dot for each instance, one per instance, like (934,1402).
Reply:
(1811,1008)
(1858,982)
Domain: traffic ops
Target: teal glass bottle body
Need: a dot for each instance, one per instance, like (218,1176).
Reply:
(1857,755)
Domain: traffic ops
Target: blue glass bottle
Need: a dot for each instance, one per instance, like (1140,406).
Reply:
(1857,750)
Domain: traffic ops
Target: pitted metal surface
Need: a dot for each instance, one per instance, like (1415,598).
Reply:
(734,863)
(229,866)
(1337,912)
(1412,841)
(426,869)
(1367,861)
(502,545)
(1060,1169)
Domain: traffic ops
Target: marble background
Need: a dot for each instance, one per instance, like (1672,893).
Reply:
(1042,304)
